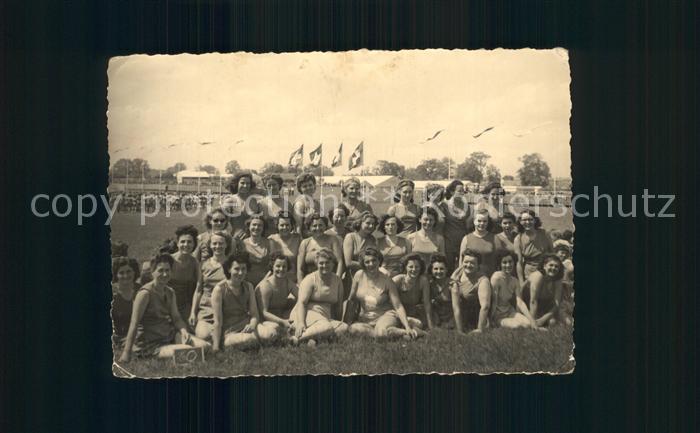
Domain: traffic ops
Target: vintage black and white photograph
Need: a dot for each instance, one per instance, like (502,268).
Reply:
(363,212)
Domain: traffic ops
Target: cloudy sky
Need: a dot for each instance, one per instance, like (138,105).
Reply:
(258,108)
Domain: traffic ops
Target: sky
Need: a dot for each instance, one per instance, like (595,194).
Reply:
(258,108)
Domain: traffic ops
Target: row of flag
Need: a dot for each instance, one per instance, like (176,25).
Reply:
(316,155)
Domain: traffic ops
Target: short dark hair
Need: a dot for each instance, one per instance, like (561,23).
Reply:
(162,258)
(283,214)
(436,258)
(241,257)
(471,253)
(274,177)
(187,230)
(370,251)
(434,193)
(451,187)
(277,255)
(305,177)
(501,254)
(548,257)
(232,185)
(538,221)
(339,207)
(385,218)
(492,185)
(313,217)
(431,212)
(508,215)
(119,262)
(409,257)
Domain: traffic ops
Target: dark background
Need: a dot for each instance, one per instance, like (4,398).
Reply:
(634,87)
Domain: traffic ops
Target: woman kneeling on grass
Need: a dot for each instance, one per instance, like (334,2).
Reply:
(156,327)
(508,308)
(471,293)
(235,308)
(319,294)
(381,309)
(273,294)
(543,290)
(414,291)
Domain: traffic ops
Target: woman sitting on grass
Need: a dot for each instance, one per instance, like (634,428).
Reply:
(125,272)
(273,295)
(471,294)
(426,241)
(305,205)
(405,209)
(414,292)
(258,248)
(543,290)
(381,311)
(306,259)
(508,308)
(235,318)
(156,328)
(531,243)
(319,294)
(392,246)
(185,273)
(441,298)
(211,273)
(286,241)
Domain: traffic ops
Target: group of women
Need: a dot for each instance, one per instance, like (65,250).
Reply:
(265,272)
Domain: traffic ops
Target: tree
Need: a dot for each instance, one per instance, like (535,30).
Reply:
(210,169)
(468,170)
(272,168)
(388,168)
(433,169)
(232,167)
(316,171)
(134,167)
(508,177)
(535,171)
(479,159)
(493,174)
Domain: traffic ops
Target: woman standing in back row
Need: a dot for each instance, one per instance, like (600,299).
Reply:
(353,203)
(458,221)
(305,205)
(405,209)
(241,205)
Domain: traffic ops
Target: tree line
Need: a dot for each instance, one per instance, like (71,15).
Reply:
(534,170)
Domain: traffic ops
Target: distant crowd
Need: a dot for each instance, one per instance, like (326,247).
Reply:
(273,271)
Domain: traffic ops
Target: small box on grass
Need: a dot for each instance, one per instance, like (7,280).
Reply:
(188,355)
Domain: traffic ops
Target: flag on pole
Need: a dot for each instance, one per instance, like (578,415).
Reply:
(315,156)
(356,159)
(296,157)
(338,158)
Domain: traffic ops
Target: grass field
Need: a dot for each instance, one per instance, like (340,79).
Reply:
(498,350)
